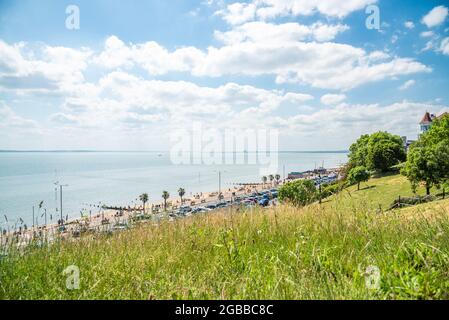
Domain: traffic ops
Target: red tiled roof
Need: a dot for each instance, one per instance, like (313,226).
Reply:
(426,118)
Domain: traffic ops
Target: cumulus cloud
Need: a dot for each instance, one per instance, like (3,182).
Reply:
(261,48)
(150,56)
(435,17)
(331,99)
(339,126)
(259,31)
(240,12)
(322,65)
(44,68)
(122,99)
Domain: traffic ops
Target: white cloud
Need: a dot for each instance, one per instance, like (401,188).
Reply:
(263,32)
(444,47)
(409,24)
(150,56)
(339,126)
(435,17)
(332,99)
(124,100)
(426,34)
(323,65)
(11,121)
(43,68)
(407,84)
(239,12)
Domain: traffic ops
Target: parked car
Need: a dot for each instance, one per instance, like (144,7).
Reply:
(264,202)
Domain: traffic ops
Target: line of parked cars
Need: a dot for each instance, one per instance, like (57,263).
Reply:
(262,199)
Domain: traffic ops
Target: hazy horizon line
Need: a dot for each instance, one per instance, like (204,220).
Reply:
(159,151)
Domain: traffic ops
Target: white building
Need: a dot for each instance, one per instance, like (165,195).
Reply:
(427,120)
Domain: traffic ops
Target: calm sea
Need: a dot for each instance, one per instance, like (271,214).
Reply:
(117,178)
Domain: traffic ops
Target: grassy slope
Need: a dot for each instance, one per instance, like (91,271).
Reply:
(287,253)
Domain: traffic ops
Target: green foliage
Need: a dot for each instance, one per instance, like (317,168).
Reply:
(428,158)
(316,252)
(427,163)
(438,132)
(165,196)
(358,151)
(298,192)
(144,198)
(181,192)
(331,188)
(357,175)
(378,151)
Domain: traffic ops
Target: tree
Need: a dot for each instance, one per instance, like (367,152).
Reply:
(358,151)
(357,175)
(298,192)
(264,179)
(165,196)
(428,158)
(144,198)
(277,177)
(271,177)
(428,164)
(181,192)
(378,151)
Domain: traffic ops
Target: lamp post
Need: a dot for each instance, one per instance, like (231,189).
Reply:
(219,182)
(60,200)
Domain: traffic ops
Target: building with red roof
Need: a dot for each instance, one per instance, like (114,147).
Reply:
(427,120)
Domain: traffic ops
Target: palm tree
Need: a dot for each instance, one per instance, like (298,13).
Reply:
(264,179)
(271,178)
(165,196)
(277,177)
(144,198)
(181,192)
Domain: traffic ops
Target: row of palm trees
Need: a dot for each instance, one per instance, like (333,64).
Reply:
(272,178)
(165,195)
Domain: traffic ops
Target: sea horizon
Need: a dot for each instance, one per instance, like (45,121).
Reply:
(117,178)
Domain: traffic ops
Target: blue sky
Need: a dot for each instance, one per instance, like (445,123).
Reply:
(136,70)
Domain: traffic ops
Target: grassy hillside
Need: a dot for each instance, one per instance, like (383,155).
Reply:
(379,192)
(318,252)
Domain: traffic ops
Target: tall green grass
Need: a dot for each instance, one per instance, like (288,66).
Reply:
(282,253)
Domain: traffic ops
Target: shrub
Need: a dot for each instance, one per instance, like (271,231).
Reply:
(298,192)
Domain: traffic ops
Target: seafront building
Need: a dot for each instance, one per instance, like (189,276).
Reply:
(424,126)
(427,121)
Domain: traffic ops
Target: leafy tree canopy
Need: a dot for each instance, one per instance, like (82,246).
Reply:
(378,151)
(428,158)
(298,192)
(358,174)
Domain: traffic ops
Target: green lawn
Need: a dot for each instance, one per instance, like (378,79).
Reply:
(378,192)
(317,252)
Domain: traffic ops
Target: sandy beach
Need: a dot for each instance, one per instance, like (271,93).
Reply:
(106,217)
